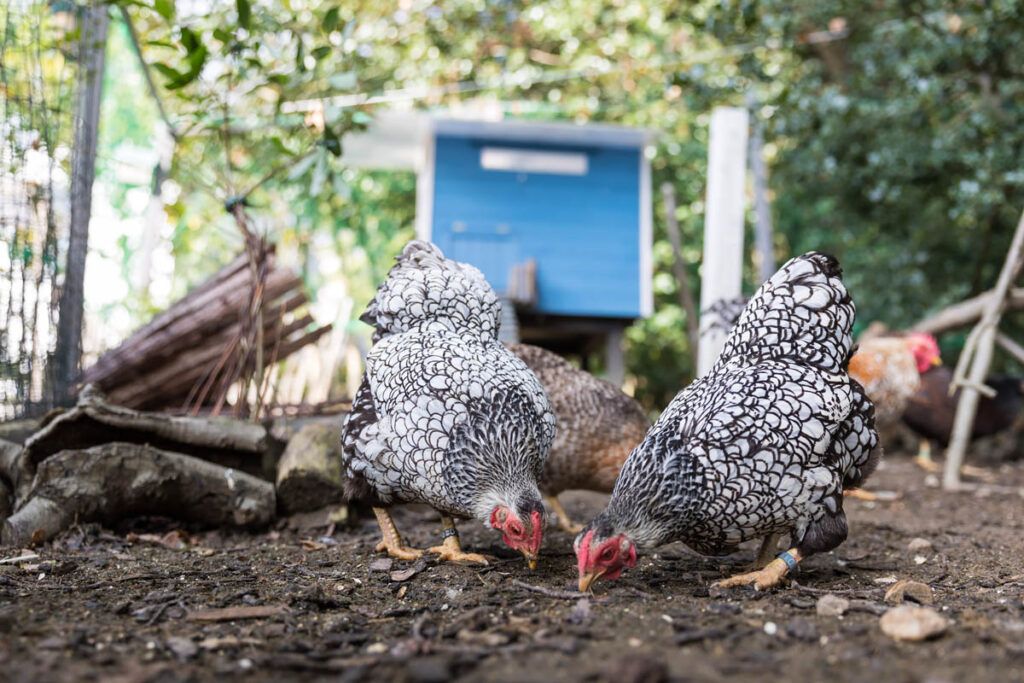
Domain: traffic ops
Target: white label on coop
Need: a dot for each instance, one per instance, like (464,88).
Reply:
(533,161)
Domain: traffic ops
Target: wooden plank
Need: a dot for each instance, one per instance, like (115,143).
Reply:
(722,265)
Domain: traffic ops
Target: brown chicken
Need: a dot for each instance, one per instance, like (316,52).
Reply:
(890,369)
(931,410)
(597,427)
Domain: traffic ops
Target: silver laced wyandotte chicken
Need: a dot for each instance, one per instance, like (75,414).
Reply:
(445,414)
(597,427)
(762,445)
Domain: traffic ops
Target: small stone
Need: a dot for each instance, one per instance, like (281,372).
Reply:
(400,575)
(832,606)
(52,643)
(381,564)
(431,669)
(920,559)
(906,589)
(771,628)
(485,638)
(183,648)
(801,629)
(911,623)
(919,545)
(376,649)
(931,481)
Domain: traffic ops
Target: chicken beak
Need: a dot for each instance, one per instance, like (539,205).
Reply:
(937,360)
(587,579)
(531,560)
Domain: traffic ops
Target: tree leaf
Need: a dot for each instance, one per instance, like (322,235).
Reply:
(164,8)
(331,19)
(244,13)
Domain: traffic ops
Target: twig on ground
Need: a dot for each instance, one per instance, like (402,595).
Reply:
(561,595)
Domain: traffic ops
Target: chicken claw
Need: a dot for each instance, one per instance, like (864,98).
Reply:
(769,577)
(565,523)
(392,541)
(450,549)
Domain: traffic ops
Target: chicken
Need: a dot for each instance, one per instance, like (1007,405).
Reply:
(890,368)
(764,444)
(930,411)
(445,414)
(597,427)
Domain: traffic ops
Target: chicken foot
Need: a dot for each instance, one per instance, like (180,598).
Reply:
(923,459)
(565,523)
(450,549)
(392,540)
(768,577)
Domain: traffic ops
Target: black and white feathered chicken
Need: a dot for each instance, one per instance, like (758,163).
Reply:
(761,446)
(445,414)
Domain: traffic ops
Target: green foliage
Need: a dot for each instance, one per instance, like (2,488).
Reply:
(892,130)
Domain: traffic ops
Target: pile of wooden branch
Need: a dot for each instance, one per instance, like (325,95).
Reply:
(103,463)
(191,354)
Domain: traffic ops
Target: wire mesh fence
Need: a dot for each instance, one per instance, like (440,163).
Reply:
(37,87)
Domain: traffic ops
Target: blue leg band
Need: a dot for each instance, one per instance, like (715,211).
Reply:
(789,560)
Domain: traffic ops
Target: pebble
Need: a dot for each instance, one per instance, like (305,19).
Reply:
(911,623)
(801,629)
(771,628)
(381,564)
(183,648)
(832,606)
(919,544)
(376,649)
(906,589)
(430,669)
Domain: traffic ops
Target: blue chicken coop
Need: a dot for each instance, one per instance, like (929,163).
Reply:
(557,216)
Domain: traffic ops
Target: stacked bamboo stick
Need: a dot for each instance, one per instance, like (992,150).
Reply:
(187,355)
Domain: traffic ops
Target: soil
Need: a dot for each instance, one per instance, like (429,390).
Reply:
(304,605)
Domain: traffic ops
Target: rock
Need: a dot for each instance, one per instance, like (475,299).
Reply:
(633,668)
(485,638)
(801,629)
(183,648)
(905,589)
(376,649)
(431,669)
(403,574)
(919,544)
(832,606)
(381,564)
(911,623)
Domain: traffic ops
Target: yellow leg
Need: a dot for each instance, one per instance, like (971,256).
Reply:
(767,553)
(924,458)
(450,549)
(860,494)
(769,577)
(564,522)
(392,541)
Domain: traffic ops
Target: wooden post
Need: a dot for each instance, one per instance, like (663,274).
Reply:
(679,267)
(764,254)
(92,46)
(614,362)
(977,355)
(722,268)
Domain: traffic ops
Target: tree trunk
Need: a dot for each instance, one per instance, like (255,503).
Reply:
(686,299)
(309,475)
(93,22)
(239,445)
(108,483)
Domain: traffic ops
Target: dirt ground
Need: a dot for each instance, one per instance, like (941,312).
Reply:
(95,606)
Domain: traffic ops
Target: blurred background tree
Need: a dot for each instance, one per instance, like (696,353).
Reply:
(893,131)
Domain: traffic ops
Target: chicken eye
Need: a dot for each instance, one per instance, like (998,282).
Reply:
(607,554)
(515,529)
